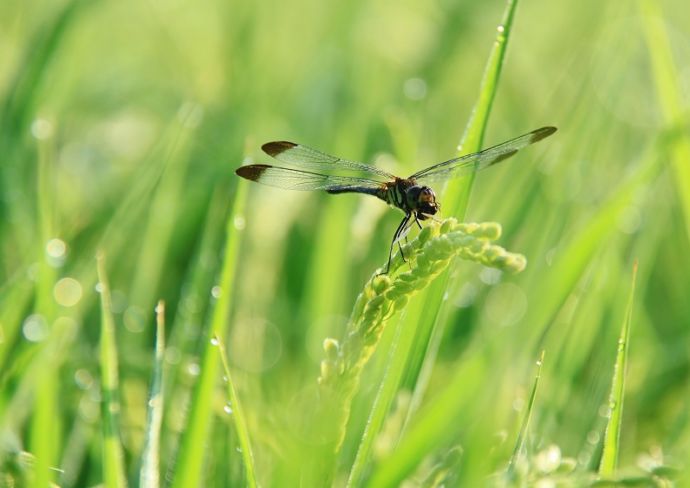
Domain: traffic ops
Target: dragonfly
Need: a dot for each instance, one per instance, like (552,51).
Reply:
(309,169)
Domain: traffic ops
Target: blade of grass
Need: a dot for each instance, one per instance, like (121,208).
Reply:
(191,458)
(457,193)
(13,302)
(192,307)
(520,442)
(149,476)
(113,463)
(609,456)
(235,409)
(44,428)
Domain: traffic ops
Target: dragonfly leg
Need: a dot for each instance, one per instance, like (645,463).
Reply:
(406,229)
(396,236)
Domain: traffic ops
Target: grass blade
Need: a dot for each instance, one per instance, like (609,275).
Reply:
(235,409)
(609,457)
(520,442)
(150,467)
(113,463)
(191,458)
(457,193)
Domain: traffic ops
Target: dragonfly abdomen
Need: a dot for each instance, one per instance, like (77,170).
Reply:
(353,189)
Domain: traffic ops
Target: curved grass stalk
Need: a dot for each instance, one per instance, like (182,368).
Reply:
(384,295)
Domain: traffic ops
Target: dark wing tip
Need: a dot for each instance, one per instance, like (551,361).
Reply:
(542,133)
(276,147)
(504,156)
(252,172)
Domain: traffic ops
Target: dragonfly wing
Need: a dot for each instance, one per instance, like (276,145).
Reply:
(313,160)
(295,179)
(463,165)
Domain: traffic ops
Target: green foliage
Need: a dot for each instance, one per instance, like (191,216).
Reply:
(428,255)
(609,456)
(120,126)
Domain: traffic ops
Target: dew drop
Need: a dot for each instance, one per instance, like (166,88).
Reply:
(193,369)
(83,379)
(214,341)
(239,222)
(228,409)
(415,88)
(67,292)
(35,328)
(56,248)
(41,129)
(593,437)
(215,291)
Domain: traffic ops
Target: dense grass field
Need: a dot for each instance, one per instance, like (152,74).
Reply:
(165,323)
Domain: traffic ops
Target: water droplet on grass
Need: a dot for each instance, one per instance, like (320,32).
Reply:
(35,328)
(41,129)
(67,292)
(239,222)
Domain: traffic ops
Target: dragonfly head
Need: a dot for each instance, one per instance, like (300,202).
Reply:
(423,200)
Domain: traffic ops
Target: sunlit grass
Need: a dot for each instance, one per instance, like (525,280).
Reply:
(121,125)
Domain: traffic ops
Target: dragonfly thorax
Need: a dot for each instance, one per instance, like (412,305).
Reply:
(421,200)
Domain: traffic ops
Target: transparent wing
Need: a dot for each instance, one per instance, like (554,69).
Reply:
(463,165)
(295,179)
(312,160)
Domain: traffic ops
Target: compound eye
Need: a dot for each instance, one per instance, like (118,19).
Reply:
(426,196)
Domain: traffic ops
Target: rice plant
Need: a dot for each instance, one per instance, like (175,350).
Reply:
(165,324)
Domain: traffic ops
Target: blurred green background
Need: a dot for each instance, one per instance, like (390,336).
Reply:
(121,124)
